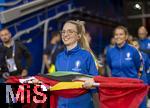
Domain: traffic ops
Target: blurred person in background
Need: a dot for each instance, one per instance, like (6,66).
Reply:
(106,70)
(14,52)
(50,53)
(146,62)
(98,62)
(130,39)
(144,41)
(124,60)
(145,68)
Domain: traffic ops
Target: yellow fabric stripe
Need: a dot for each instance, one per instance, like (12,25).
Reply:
(67,85)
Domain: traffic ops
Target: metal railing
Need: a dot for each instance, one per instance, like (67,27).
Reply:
(9,4)
(45,23)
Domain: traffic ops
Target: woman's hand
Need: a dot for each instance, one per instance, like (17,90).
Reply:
(24,73)
(88,83)
(34,81)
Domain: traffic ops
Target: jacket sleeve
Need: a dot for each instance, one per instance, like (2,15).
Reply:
(26,55)
(147,63)
(56,63)
(108,59)
(137,59)
(3,65)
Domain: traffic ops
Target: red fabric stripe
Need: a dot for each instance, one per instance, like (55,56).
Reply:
(121,92)
(113,92)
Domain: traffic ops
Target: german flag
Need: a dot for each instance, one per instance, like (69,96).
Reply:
(113,92)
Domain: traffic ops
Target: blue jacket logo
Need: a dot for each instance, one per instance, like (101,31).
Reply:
(148,71)
(77,66)
(128,56)
(148,45)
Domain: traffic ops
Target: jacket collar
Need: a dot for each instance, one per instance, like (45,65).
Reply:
(72,51)
(122,46)
(143,39)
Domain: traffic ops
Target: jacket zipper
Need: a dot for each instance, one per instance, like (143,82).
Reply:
(120,59)
(68,57)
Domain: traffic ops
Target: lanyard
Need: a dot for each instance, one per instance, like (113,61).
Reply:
(13,51)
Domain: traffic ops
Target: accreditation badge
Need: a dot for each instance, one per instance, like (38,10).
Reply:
(11,65)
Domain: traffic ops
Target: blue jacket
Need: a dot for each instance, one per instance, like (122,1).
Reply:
(146,66)
(124,61)
(145,44)
(76,60)
(146,69)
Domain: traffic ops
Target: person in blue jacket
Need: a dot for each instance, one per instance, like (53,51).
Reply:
(76,58)
(145,61)
(145,71)
(123,59)
(144,41)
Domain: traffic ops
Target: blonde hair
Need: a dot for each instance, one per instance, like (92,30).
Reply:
(83,41)
(81,32)
(122,28)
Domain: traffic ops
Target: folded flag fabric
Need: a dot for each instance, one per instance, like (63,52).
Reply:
(64,76)
(113,92)
(121,92)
